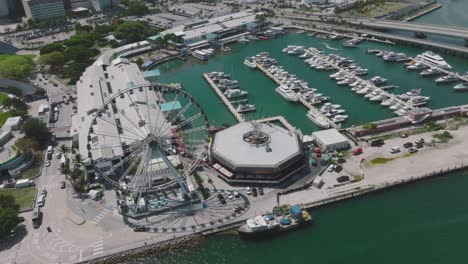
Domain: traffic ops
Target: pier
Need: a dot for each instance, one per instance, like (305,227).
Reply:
(309,106)
(280,119)
(367,82)
(463,78)
(224,99)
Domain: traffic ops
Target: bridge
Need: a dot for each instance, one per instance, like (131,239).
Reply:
(456,32)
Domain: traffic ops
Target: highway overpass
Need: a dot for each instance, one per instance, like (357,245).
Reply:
(456,32)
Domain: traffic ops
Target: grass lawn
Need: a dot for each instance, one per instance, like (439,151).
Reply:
(375,10)
(35,168)
(3,96)
(4,117)
(377,161)
(5,56)
(23,196)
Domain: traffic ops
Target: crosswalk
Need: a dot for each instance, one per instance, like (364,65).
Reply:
(98,246)
(101,215)
(50,186)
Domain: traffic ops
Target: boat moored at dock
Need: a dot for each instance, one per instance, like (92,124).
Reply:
(282,218)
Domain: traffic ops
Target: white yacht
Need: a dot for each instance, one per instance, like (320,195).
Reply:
(447,79)
(430,72)
(318,119)
(416,66)
(364,90)
(242,108)
(234,93)
(287,93)
(378,98)
(339,118)
(461,87)
(432,58)
(249,63)
(387,102)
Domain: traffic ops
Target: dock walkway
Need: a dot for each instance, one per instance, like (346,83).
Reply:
(463,78)
(280,119)
(224,99)
(367,82)
(309,106)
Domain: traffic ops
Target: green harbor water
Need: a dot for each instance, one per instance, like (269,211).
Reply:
(269,103)
(425,222)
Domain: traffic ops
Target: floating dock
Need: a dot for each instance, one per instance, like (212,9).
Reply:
(224,99)
(463,78)
(280,119)
(309,106)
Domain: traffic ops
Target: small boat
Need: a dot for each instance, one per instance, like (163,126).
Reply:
(318,119)
(282,218)
(461,87)
(287,93)
(249,63)
(243,40)
(416,66)
(235,93)
(447,79)
(430,72)
(414,92)
(242,108)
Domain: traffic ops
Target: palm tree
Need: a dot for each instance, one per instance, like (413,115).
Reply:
(64,149)
(78,161)
(65,170)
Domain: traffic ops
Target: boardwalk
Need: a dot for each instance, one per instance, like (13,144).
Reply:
(368,83)
(226,102)
(309,106)
(280,119)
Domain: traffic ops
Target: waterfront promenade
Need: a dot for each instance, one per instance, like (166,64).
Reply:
(309,106)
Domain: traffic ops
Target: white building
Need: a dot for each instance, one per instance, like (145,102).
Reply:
(330,139)
(194,33)
(95,88)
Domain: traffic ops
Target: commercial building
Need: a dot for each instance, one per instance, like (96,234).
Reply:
(330,139)
(195,33)
(38,10)
(97,5)
(253,153)
(96,87)
(12,8)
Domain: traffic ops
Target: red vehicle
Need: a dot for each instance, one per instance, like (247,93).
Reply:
(357,151)
(318,151)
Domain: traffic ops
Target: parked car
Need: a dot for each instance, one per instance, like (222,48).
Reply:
(221,199)
(41,201)
(47,163)
(139,229)
(357,151)
(377,143)
(412,150)
(62,185)
(395,149)
(44,192)
(338,168)
(249,191)
(331,168)
(230,196)
(420,145)
(236,194)
(254,192)
(342,179)
(260,191)
(408,145)
(420,141)
(13,232)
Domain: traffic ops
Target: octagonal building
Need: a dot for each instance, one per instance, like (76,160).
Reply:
(251,152)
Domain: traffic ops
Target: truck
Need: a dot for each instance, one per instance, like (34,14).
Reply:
(24,183)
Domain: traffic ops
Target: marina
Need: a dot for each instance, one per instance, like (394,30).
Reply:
(314,114)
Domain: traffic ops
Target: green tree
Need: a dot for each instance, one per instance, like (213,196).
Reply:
(139,61)
(78,161)
(83,39)
(78,54)
(16,105)
(53,59)
(36,129)
(26,145)
(51,48)
(15,91)
(64,149)
(137,8)
(8,220)
(134,31)
(40,92)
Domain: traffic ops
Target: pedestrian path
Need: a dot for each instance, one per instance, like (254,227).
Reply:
(101,215)
(50,186)
(98,246)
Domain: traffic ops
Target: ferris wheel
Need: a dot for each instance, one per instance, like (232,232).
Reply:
(159,132)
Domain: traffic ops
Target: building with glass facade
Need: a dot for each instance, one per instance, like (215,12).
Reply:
(38,10)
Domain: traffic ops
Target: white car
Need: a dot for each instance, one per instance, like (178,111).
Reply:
(47,163)
(59,155)
(331,168)
(249,191)
(236,194)
(395,149)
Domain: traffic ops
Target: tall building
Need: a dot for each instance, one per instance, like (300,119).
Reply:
(43,9)
(11,8)
(99,5)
